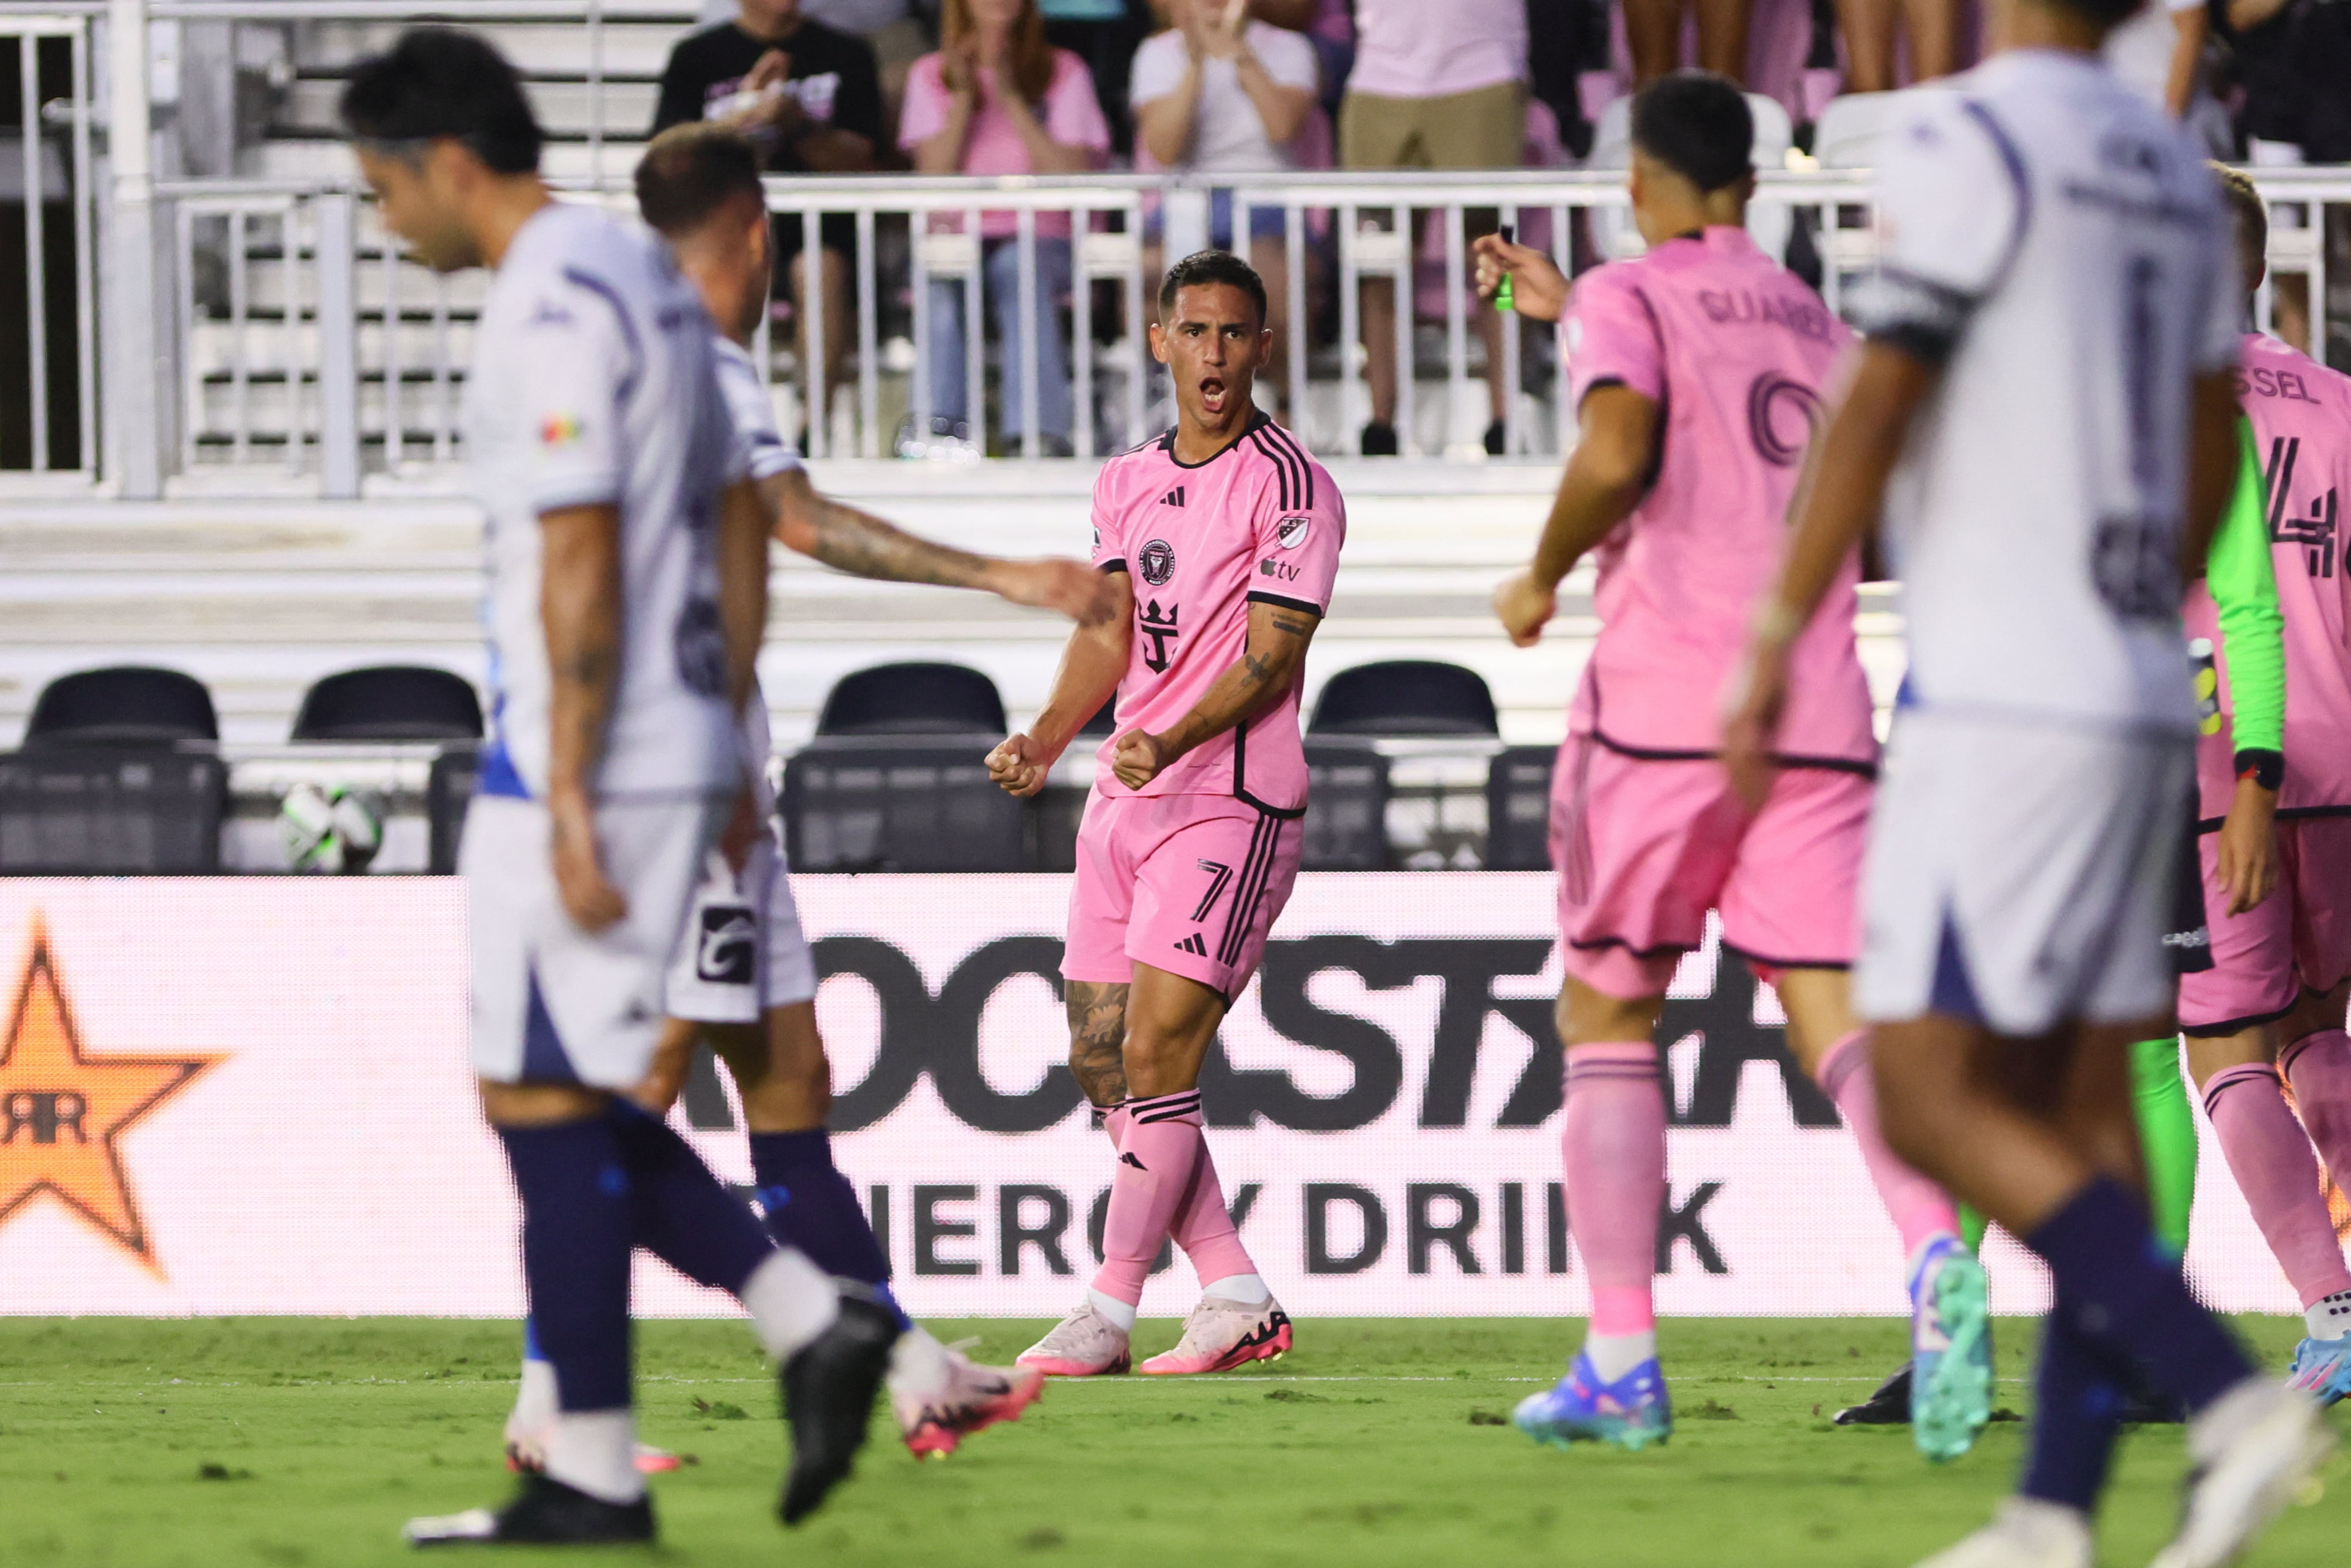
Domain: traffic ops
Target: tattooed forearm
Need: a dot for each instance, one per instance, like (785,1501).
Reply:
(1097,1039)
(580,612)
(865,546)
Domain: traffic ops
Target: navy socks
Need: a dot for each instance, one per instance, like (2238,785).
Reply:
(2077,1411)
(576,1225)
(2117,1291)
(680,1212)
(811,1205)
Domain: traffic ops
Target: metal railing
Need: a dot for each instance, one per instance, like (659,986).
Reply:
(262,334)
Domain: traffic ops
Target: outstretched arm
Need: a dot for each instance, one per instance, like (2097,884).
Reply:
(1842,493)
(1268,668)
(1092,666)
(1602,485)
(862,545)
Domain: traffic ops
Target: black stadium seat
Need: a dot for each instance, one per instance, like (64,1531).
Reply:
(1408,698)
(1518,809)
(919,698)
(448,791)
(111,810)
(1347,824)
(126,704)
(391,702)
(900,804)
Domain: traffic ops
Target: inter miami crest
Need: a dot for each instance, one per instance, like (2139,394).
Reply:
(1156,561)
(63,1112)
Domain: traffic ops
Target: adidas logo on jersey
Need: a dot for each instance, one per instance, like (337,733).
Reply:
(1126,1159)
(1194,945)
(1174,498)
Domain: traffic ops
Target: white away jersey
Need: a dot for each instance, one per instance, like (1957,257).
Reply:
(762,449)
(762,452)
(593,382)
(2060,248)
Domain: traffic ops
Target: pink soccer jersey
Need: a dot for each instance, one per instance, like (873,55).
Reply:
(1738,354)
(2301,414)
(1258,522)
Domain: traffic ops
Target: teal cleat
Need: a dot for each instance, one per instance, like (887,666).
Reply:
(1631,1411)
(1950,1349)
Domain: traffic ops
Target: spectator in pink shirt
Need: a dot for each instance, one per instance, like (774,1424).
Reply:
(1434,87)
(997,99)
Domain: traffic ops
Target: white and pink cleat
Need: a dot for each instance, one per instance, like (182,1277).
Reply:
(975,1399)
(1221,1334)
(1083,1344)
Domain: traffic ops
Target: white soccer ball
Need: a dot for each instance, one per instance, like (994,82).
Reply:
(329,830)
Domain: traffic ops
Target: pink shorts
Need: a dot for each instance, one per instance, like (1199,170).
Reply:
(1189,883)
(2297,939)
(1646,846)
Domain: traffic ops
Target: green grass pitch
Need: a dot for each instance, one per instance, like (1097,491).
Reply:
(281,1442)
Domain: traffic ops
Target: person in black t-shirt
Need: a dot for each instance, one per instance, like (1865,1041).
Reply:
(810,97)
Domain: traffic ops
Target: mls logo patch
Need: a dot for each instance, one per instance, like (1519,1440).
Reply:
(726,945)
(1290,532)
(1157,562)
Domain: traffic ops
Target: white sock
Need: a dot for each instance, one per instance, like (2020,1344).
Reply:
(1615,1354)
(596,1451)
(1247,1289)
(535,1405)
(2329,1317)
(790,1300)
(919,1364)
(1118,1311)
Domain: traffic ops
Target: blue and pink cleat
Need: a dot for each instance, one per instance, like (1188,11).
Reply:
(1631,1411)
(2321,1369)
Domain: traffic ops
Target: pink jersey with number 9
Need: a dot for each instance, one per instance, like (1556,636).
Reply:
(1737,353)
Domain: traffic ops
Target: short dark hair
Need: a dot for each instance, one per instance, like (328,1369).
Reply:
(690,171)
(1203,267)
(2253,214)
(1698,125)
(436,82)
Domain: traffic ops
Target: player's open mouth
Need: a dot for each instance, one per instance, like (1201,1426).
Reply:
(1212,395)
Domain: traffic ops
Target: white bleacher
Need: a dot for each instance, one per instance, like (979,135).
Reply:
(259,598)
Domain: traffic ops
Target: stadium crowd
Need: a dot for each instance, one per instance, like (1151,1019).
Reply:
(1253,87)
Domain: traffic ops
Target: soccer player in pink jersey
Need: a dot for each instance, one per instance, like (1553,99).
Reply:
(1225,537)
(1697,371)
(2270,1008)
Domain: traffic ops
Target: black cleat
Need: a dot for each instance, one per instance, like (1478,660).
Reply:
(1889,1407)
(543,1512)
(828,1389)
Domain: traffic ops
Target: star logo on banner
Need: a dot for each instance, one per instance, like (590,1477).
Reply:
(63,1112)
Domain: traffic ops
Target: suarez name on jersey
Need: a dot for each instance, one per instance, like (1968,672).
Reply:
(1737,353)
(1258,522)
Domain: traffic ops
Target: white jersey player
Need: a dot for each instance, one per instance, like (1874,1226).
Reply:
(2045,415)
(600,448)
(743,977)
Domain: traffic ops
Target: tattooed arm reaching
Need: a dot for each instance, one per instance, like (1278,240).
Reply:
(862,545)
